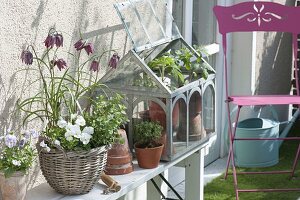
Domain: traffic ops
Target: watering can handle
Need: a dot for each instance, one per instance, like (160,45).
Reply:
(273,111)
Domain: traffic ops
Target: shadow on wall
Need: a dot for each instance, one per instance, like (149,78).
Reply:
(103,39)
(275,71)
(276,61)
(275,66)
(7,105)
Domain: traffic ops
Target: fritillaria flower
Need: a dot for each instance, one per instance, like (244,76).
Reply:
(114,61)
(89,48)
(49,41)
(59,40)
(27,57)
(54,39)
(60,63)
(79,45)
(94,66)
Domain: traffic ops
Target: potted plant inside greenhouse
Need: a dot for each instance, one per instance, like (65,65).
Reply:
(148,148)
(169,72)
(176,69)
(16,158)
(195,69)
(79,124)
(155,72)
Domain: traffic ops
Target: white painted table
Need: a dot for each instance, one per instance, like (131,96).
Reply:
(193,161)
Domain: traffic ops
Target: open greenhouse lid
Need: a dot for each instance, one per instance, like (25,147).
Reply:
(148,23)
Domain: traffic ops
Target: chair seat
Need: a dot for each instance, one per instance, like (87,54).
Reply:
(264,100)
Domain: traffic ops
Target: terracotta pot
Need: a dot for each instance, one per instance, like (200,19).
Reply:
(196,130)
(148,158)
(14,187)
(119,159)
(156,113)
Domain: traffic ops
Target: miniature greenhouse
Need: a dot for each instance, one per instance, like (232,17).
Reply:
(163,79)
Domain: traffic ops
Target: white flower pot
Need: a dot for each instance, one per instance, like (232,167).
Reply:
(14,187)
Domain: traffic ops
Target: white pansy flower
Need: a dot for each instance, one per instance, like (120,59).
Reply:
(75,130)
(69,136)
(16,162)
(43,144)
(47,149)
(73,116)
(68,126)
(88,130)
(80,121)
(61,123)
(57,142)
(85,138)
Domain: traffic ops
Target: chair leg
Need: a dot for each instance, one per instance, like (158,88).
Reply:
(228,162)
(295,161)
(231,135)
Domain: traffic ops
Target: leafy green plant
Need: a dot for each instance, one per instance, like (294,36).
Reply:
(63,83)
(147,134)
(166,65)
(16,153)
(182,61)
(67,123)
(107,114)
(197,68)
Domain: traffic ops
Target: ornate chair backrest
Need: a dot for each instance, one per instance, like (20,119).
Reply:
(258,16)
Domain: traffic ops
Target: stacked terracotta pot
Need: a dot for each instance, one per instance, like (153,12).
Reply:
(119,158)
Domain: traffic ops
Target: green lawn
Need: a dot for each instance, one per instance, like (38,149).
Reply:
(220,189)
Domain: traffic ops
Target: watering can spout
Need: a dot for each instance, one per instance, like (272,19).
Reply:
(288,127)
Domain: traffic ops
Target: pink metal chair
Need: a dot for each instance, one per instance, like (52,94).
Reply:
(249,17)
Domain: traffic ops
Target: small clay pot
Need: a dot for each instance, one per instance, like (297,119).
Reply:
(156,113)
(14,187)
(119,159)
(148,158)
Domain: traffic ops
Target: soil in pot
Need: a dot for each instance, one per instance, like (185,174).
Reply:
(148,157)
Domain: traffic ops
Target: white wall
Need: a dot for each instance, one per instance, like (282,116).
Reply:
(28,22)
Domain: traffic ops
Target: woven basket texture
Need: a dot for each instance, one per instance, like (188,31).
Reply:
(73,172)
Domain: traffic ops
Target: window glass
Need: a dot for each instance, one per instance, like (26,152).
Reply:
(178,14)
(203,31)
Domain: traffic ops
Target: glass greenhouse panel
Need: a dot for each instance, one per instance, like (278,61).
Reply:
(148,22)
(163,79)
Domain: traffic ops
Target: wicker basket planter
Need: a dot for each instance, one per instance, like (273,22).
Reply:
(73,172)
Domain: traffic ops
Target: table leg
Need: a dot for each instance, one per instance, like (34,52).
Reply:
(138,193)
(152,193)
(194,176)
